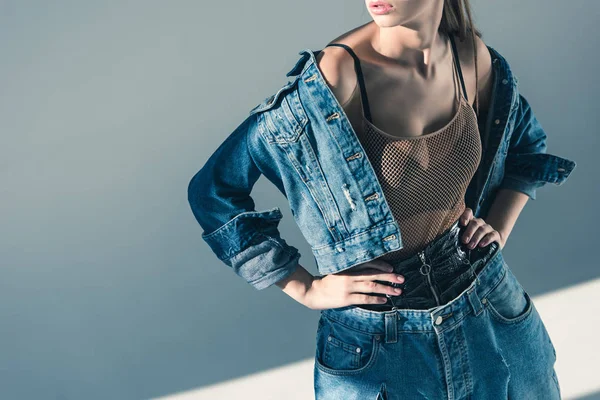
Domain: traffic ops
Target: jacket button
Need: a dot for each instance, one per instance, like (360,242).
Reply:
(354,156)
(504,81)
(391,237)
(372,197)
(439,320)
(497,121)
(333,116)
(561,170)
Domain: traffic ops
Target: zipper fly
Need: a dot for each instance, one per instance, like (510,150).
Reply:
(426,270)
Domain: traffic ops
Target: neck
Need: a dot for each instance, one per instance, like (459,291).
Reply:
(416,43)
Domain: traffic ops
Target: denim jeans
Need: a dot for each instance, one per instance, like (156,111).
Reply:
(468,331)
(446,267)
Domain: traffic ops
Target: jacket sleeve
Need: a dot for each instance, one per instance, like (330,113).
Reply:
(527,164)
(246,240)
(528,139)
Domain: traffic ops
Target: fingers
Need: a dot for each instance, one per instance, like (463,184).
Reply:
(476,230)
(374,287)
(373,274)
(493,236)
(378,264)
(357,298)
(466,216)
(472,226)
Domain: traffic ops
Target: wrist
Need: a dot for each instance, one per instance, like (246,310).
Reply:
(311,290)
(502,239)
(298,285)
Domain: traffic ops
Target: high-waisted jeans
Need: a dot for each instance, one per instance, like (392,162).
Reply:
(463,328)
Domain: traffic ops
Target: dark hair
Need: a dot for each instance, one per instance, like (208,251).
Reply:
(457,21)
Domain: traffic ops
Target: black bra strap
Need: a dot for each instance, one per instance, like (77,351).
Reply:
(457,62)
(361,81)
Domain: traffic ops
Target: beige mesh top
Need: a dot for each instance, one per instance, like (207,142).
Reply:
(424,178)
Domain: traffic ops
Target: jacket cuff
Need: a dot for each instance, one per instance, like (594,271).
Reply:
(250,244)
(529,188)
(272,264)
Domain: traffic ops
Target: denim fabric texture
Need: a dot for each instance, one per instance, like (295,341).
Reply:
(302,141)
(487,343)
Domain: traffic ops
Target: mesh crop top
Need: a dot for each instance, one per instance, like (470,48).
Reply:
(424,178)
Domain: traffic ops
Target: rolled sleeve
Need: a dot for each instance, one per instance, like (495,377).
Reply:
(251,245)
(527,165)
(246,240)
(522,162)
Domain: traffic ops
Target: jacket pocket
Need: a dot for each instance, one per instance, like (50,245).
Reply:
(342,350)
(286,119)
(299,158)
(508,302)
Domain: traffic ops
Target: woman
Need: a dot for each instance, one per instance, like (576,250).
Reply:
(406,154)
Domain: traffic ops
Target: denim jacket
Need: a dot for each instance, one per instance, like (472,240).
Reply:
(301,140)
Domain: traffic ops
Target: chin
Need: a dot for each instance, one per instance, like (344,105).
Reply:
(387,21)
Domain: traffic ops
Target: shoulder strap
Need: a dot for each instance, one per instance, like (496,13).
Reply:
(457,63)
(361,81)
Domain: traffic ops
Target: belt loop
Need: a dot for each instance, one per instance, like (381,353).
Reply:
(391,328)
(474,300)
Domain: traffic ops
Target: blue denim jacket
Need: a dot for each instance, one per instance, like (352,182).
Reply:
(301,140)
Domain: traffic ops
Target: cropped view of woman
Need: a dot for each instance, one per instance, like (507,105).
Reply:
(406,153)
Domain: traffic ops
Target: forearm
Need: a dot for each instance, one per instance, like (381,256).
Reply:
(297,284)
(505,210)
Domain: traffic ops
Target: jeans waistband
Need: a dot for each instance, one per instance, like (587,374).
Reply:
(437,273)
(436,318)
(439,249)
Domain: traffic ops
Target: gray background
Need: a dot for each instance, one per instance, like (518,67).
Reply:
(108,108)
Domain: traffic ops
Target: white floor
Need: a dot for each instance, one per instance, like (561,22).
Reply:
(572,316)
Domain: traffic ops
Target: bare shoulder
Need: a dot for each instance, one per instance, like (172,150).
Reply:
(484,69)
(337,67)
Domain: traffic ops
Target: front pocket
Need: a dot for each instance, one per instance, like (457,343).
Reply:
(286,121)
(342,355)
(508,302)
(342,350)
